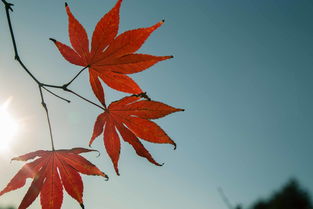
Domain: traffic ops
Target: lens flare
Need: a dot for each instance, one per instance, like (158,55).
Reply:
(8,127)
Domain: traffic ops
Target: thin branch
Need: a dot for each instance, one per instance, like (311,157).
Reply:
(69,83)
(48,117)
(68,101)
(9,5)
(53,86)
(64,88)
(83,98)
(224,198)
(8,8)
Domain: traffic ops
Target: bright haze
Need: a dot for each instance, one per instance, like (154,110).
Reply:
(242,70)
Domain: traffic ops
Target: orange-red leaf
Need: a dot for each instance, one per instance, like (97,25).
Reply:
(51,195)
(71,181)
(96,85)
(106,29)
(30,155)
(130,117)
(98,127)
(82,165)
(131,138)
(69,54)
(29,170)
(112,142)
(78,35)
(121,104)
(129,41)
(111,55)
(147,130)
(131,63)
(34,189)
(52,171)
(120,82)
(145,109)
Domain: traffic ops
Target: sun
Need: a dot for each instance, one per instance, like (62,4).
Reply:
(8,127)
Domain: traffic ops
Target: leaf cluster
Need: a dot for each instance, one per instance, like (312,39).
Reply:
(109,58)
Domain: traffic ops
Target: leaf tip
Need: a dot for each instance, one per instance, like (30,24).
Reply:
(163,21)
(98,153)
(66,5)
(117,171)
(175,145)
(53,40)
(106,177)
(82,206)
(15,158)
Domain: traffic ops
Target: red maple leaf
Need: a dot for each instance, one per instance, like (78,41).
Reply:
(52,171)
(111,57)
(131,117)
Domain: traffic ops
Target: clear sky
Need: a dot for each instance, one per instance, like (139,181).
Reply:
(242,70)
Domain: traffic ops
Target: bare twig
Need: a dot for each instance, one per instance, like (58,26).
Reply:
(47,113)
(64,88)
(49,91)
(83,98)
(224,198)
(8,9)
(69,83)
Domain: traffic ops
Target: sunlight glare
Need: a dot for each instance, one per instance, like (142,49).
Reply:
(8,128)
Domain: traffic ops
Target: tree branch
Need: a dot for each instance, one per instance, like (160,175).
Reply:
(8,9)
(68,101)
(47,113)
(83,98)
(69,83)
(64,88)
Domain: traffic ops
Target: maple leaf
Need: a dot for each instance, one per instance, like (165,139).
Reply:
(131,117)
(51,172)
(111,57)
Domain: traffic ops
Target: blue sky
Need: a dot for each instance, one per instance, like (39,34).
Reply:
(242,70)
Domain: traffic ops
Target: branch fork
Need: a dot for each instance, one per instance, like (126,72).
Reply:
(42,86)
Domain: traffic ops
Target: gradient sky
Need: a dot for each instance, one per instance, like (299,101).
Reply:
(242,70)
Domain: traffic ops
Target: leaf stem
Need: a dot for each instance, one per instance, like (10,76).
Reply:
(65,88)
(47,114)
(83,98)
(69,83)
(54,94)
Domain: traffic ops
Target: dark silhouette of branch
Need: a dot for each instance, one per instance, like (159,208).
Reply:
(8,9)
(68,90)
(48,117)
(65,88)
(69,83)
(224,198)
(68,101)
